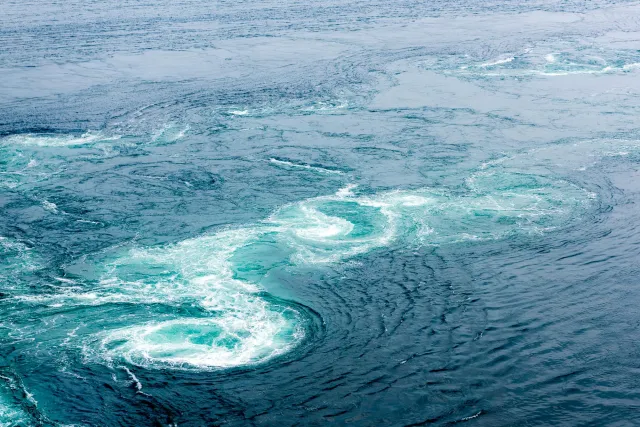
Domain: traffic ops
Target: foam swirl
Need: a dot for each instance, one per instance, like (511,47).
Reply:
(221,273)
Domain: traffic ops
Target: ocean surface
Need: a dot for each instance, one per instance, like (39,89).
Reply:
(368,213)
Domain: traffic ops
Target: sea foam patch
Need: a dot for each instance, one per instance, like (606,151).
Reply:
(542,61)
(57,140)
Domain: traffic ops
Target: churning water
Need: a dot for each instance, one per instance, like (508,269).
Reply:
(284,213)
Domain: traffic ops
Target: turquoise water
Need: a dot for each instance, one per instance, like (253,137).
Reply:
(359,213)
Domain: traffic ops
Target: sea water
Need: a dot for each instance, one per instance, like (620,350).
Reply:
(284,213)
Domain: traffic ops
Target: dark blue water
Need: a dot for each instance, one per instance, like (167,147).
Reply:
(293,213)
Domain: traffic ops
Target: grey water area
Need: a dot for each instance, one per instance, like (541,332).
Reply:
(300,213)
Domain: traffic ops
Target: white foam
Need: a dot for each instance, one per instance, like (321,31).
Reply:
(51,207)
(326,106)
(321,227)
(242,327)
(346,191)
(134,379)
(304,166)
(414,200)
(86,221)
(50,140)
(554,65)
(497,62)
(170,133)
(319,238)
(471,417)
(313,225)
(233,339)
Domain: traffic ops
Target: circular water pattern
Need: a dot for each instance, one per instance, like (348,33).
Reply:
(245,328)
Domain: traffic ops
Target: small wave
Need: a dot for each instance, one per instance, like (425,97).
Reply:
(293,107)
(469,418)
(497,62)
(281,162)
(55,140)
(326,106)
(170,133)
(134,379)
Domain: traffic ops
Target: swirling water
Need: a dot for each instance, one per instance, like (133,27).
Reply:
(278,213)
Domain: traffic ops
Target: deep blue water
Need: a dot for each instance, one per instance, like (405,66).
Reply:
(292,213)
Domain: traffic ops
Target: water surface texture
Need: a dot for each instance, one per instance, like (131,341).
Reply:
(292,213)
